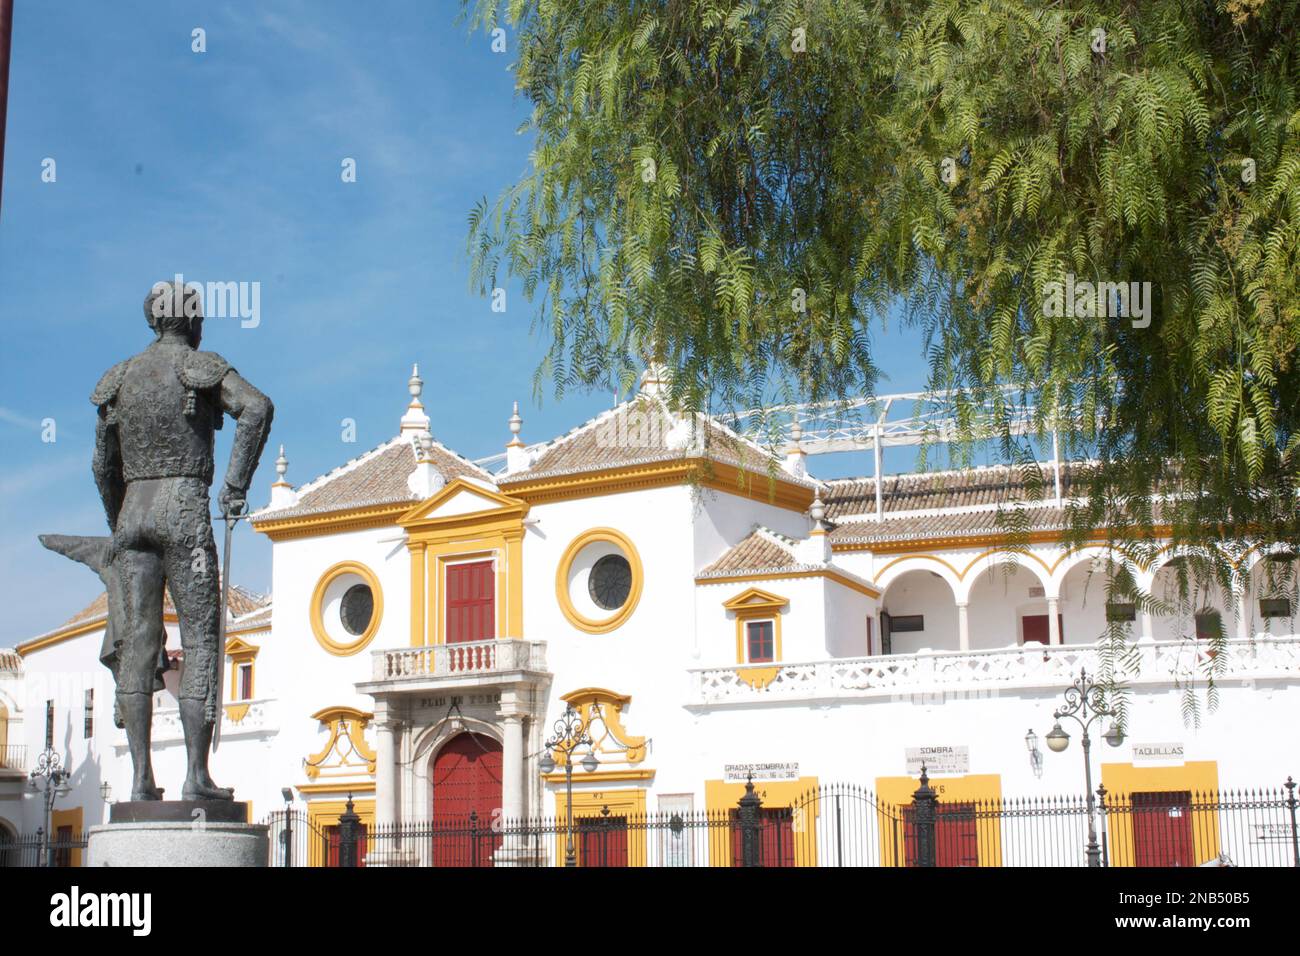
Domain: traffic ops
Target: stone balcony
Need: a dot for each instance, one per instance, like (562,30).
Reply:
(983,672)
(451,666)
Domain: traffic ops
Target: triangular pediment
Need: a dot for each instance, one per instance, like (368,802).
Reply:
(459,498)
(757,598)
(236,648)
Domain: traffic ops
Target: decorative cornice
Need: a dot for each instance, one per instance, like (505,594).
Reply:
(333,522)
(779,574)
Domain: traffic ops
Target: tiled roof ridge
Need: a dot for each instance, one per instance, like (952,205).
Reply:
(954,472)
(350,465)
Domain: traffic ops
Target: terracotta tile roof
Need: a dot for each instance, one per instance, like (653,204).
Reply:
(643,430)
(378,477)
(760,551)
(243,602)
(10,661)
(952,524)
(972,487)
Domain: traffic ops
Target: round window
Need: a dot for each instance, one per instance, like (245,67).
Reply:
(610,582)
(356,608)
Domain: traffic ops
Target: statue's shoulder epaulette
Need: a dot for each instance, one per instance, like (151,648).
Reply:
(109,384)
(203,370)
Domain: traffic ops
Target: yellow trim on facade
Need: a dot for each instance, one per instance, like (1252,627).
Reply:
(895,793)
(629,775)
(721,797)
(72,817)
(326,813)
(335,522)
(611,706)
(360,786)
(73,630)
(588,804)
(755,604)
(717,476)
(240,652)
(434,541)
(338,648)
(616,618)
(1122,780)
(345,724)
(827,573)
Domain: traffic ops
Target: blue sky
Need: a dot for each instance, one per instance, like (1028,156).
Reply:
(225,166)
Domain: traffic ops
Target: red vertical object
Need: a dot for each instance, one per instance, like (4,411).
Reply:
(471,602)
(466,780)
(6,35)
(1036,630)
(1162,829)
(956,836)
(602,841)
(775,837)
(332,842)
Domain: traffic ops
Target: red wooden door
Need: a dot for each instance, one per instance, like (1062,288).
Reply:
(332,845)
(466,801)
(775,837)
(1162,829)
(1036,629)
(956,836)
(471,602)
(602,841)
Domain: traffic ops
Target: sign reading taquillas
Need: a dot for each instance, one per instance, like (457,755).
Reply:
(1148,754)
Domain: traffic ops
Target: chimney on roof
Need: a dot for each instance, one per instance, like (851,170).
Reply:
(415,420)
(282,493)
(426,480)
(796,459)
(517,457)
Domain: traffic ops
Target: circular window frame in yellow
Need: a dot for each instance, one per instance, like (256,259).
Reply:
(339,648)
(575,617)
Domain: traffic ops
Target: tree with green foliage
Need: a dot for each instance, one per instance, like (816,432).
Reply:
(743,190)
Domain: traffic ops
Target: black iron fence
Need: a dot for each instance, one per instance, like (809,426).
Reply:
(842,825)
(830,825)
(64,848)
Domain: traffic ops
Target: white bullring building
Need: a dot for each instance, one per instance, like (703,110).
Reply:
(724,612)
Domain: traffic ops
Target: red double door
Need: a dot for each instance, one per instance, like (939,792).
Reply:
(466,801)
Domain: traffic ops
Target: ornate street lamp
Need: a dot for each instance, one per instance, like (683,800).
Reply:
(570,736)
(49,769)
(1085,703)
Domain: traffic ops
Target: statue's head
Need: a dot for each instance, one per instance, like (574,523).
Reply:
(176,308)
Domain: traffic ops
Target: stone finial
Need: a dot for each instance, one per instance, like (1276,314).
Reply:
(796,459)
(818,511)
(654,380)
(282,493)
(517,457)
(516,426)
(415,420)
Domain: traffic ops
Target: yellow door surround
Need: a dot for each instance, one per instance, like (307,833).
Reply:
(493,527)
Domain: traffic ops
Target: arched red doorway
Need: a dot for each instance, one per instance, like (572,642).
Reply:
(466,800)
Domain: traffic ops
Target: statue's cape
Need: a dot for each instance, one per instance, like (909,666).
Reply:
(96,553)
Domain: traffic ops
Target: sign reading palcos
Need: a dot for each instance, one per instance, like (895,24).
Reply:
(740,772)
(938,759)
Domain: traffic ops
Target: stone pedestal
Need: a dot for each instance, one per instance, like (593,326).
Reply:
(178,833)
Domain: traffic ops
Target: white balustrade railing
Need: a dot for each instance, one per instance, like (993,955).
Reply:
(459,660)
(260,716)
(986,671)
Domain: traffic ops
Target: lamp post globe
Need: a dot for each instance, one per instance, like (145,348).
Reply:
(1057,739)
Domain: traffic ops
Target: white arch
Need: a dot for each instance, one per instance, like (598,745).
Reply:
(996,562)
(917,562)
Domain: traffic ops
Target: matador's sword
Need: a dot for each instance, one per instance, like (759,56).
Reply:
(219,659)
